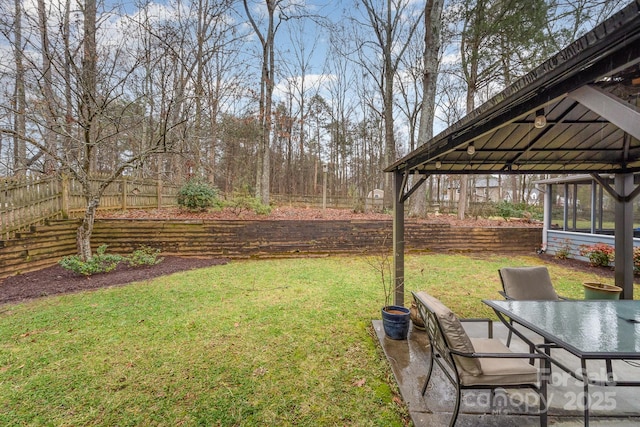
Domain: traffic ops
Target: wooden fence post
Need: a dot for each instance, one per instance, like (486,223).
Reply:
(124,193)
(159,192)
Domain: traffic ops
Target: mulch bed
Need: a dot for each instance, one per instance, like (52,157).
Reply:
(581,266)
(57,280)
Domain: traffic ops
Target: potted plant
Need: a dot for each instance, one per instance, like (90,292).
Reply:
(396,319)
(595,290)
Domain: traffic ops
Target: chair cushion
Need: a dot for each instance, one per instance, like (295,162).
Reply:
(499,371)
(527,283)
(455,334)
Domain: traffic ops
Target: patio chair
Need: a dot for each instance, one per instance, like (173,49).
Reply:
(526,283)
(474,363)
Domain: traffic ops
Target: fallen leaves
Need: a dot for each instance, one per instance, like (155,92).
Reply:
(305,214)
(360,382)
(260,371)
(278,213)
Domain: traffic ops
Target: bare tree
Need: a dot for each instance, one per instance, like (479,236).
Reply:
(318,120)
(341,111)
(84,109)
(431,62)
(18,100)
(297,63)
(49,136)
(267,83)
(393,24)
(492,33)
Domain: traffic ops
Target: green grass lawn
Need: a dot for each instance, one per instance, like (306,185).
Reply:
(275,342)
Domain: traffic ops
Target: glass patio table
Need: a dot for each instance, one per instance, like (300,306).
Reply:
(588,329)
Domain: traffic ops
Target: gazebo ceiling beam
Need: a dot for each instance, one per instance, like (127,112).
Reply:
(546,150)
(547,167)
(541,135)
(564,122)
(624,115)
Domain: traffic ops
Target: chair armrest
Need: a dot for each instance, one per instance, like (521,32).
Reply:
(480,320)
(509,355)
(548,345)
(507,297)
(504,295)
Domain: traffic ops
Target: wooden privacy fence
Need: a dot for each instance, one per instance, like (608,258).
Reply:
(47,244)
(29,201)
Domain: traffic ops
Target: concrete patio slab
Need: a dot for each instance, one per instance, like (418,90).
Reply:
(409,361)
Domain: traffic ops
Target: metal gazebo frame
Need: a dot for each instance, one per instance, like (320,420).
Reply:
(575,113)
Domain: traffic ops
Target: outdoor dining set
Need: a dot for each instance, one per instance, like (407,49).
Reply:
(601,336)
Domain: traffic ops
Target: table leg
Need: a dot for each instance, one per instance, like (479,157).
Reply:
(544,381)
(610,379)
(544,407)
(585,397)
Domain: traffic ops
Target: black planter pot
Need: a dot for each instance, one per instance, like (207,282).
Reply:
(396,321)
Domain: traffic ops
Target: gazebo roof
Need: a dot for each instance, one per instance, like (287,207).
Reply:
(589,94)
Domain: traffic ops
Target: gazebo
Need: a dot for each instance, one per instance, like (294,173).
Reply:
(576,113)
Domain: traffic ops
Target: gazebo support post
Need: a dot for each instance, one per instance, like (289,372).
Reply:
(624,234)
(594,203)
(398,238)
(546,219)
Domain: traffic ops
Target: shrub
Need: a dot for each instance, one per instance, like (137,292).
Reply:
(506,210)
(260,208)
(145,255)
(599,254)
(636,259)
(241,201)
(197,195)
(482,210)
(564,251)
(101,262)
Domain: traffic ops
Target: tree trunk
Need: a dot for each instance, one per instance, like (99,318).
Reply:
(433,23)
(266,98)
(392,36)
(69,150)
(19,100)
(213,122)
(464,181)
(83,234)
(88,111)
(47,90)
(389,152)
